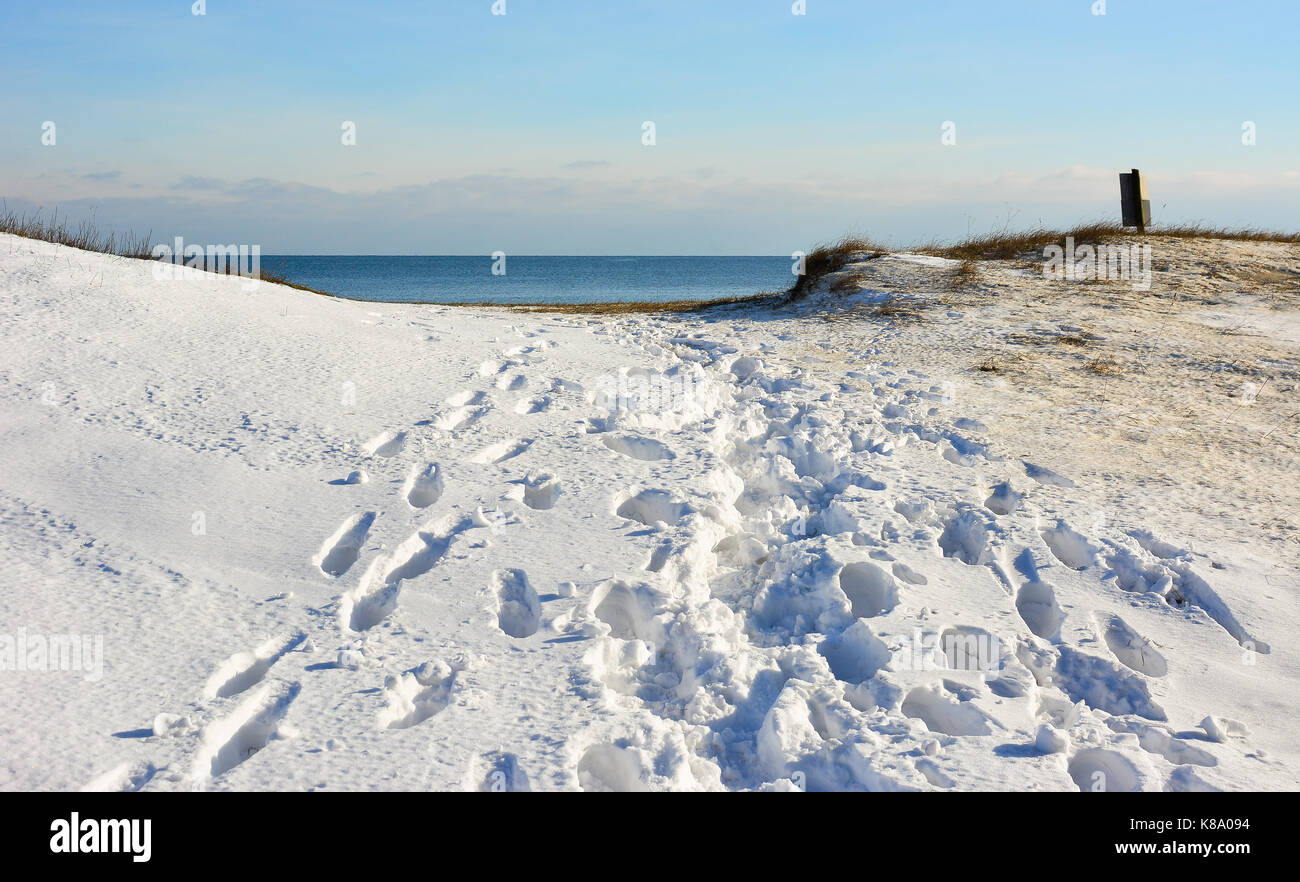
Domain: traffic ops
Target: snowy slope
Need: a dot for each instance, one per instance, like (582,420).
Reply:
(335,545)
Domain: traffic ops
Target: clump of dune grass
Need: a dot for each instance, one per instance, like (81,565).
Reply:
(1006,245)
(84,235)
(965,275)
(1201,231)
(87,236)
(895,309)
(1104,365)
(273,277)
(997,363)
(831,258)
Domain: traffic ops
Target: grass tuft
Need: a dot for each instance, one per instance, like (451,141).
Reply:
(1105,366)
(831,258)
(85,235)
(1004,245)
(88,237)
(966,274)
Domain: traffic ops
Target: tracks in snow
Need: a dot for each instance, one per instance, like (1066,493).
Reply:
(784,553)
(375,598)
(766,640)
(248,729)
(243,670)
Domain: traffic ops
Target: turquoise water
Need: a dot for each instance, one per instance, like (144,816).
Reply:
(534,279)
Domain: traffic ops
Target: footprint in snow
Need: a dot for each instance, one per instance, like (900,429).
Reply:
(416,695)
(538,491)
(340,551)
(375,598)
(502,451)
(637,447)
(512,382)
(498,772)
(248,729)
(385,444)
(518,608)
(459,417)
(536,404)
(1047,476)
(1131,648)
(243,670)
(423,486)
(467,397)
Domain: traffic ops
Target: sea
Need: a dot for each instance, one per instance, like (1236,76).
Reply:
(533,279)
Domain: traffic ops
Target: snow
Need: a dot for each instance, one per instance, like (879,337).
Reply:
(332,546)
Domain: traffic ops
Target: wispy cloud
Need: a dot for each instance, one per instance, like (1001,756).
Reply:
(192,182)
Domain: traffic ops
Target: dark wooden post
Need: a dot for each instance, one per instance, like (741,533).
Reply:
(1135,204)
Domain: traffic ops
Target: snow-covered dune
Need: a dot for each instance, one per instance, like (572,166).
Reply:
(323,544)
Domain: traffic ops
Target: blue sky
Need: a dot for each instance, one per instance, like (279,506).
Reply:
(523,132)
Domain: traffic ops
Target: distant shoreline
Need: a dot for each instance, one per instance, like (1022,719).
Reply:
(717,280)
